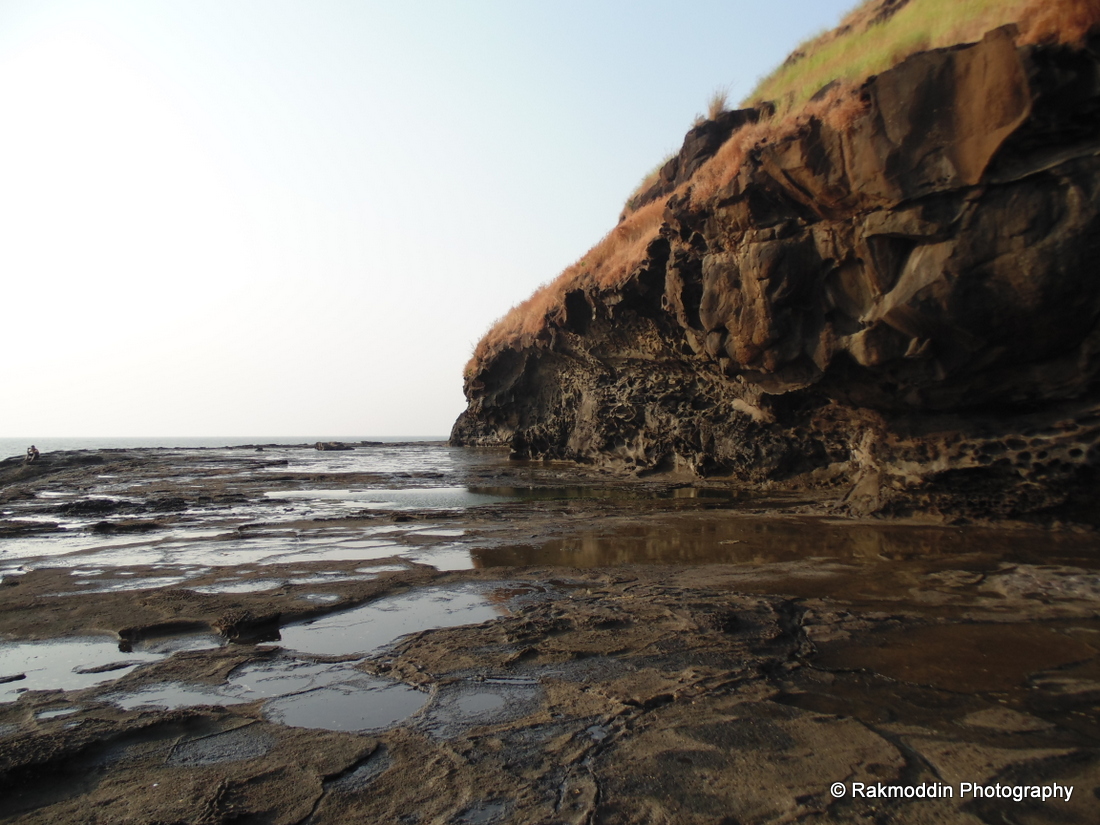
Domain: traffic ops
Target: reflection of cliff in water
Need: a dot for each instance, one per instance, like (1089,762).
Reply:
(576,492)
(700,539)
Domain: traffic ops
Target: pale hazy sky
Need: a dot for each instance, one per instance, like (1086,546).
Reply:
(254,217)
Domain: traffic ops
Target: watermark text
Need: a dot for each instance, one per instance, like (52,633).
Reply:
(942,790)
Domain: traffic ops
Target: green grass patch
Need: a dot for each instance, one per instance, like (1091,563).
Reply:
(870,48)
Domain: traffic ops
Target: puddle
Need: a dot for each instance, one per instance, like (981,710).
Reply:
(321,598)
(302,694)
(362,544)
(459,498)
(174,695)
(253,586)
(122,585)
(65,664)
(365,704)
(459,706)
(964,658)
(327,578)
(362,551)
(280,677)
(355,536)
(383,568)
(43,715)
(384,458)
(734,538)
(443,557)
(413,498)
(79,552)
(165,644)
(370,627)
(83,662)
(249,683)
(570,493)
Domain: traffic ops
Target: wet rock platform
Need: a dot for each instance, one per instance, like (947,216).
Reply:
(422,634)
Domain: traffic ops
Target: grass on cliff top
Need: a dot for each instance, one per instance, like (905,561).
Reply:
(875,37)
(606,265)
(879,34)
(872,38)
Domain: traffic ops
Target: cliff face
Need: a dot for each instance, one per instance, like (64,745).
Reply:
(907,304)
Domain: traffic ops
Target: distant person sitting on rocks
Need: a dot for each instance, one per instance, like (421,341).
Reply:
(32,454)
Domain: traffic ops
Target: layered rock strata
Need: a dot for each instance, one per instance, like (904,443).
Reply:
(906,304)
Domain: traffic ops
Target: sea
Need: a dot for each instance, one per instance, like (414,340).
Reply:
(18,446)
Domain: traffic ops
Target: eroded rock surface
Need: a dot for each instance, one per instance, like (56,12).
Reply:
(660,695)
(907,305)
(616,651)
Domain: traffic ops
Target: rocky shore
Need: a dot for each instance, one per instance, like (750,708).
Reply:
(426,634)
(899,301)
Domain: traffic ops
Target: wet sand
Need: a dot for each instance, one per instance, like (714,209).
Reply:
(420,634)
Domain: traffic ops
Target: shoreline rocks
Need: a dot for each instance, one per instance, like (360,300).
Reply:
(635,650)
(908,307)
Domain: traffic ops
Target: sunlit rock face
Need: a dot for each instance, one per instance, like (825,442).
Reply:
(906,305)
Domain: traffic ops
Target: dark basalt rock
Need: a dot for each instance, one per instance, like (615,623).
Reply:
(326,446)
(126,526)
(700,144)
(90,507)
(908,307)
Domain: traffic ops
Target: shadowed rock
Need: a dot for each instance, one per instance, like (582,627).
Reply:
(906,306)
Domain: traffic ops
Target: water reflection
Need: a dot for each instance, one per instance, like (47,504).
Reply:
(415,498)
(601,493)
(379,623)
(64,664)
(747,539)
(364,704)
(967,658)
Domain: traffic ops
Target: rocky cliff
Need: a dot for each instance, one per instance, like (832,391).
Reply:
(904,305)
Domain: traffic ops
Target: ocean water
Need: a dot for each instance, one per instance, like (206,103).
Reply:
(18,446)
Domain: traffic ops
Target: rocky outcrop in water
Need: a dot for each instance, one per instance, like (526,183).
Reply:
(906,305)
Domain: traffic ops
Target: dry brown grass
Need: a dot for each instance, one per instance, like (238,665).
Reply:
(839,108)
(1049,21)
(1059,21)
(718,103)
(721,169)
(607,265)
(654,175)
(876,35)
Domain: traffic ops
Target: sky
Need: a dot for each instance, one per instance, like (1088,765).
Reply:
(260,217)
